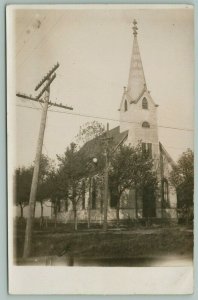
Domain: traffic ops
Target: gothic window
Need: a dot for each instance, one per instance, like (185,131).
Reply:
(145,125)
(113,198)
(147,149)
(125,106)
(144,103)
(165,193)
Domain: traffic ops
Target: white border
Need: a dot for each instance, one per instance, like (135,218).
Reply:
(82,280)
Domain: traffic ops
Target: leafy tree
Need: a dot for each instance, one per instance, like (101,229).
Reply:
(43,191)
(23,180)
(130,168)
(72,167)
(57,189)
(89,131)
(182,178)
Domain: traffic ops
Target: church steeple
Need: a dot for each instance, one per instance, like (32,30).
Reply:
(136,83)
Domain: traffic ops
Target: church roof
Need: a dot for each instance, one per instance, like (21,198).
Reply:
(166,154)
(136,82)
(95,146)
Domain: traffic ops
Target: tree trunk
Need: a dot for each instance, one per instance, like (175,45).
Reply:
(55,213)
(75,220)
(118,212)
(41,210)
(42,220)
(136,204)
(89,202)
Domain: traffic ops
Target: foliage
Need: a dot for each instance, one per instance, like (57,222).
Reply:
(45,169)
(89,131)
(182,178)
(73,170)
(130,168)
(23,180)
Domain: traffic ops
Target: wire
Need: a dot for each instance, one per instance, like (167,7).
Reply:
(21,48)
(42,40)
(104,118)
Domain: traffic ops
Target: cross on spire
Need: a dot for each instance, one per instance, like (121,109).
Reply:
(135,28)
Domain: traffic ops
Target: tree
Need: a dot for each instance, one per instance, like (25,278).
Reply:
(89,131)
(43,191)
(130,168)
(56,189)
(72,166)
(182,178)
(23,180)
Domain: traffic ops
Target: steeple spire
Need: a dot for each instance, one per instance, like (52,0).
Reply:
(136,83)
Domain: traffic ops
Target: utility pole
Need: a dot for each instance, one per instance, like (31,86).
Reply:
(47,80)
(92,165)
(106,177)
(89,201)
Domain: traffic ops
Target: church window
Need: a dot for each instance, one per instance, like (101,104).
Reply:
(145,125)
(113,198)
(125,106)
(147,149)
(165,193)
(144,103)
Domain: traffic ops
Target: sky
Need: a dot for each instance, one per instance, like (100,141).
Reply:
(93,47)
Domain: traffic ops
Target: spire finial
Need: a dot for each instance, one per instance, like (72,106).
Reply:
(135,28)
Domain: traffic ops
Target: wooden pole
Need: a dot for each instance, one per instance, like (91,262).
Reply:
(106,182)
(89,201)
(32,200)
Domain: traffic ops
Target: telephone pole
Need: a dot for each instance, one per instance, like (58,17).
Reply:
(106,140)
(47,80)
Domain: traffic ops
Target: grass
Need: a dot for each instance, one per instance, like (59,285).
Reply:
(134,242)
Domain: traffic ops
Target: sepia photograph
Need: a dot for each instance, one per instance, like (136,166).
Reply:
(100,131)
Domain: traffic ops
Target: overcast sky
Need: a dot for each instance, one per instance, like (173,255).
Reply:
(94,49)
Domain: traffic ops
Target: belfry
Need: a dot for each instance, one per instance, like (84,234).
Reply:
(138,111)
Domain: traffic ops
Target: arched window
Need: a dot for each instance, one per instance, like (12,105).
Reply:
(165,195)
(125,106)
(145,125)
(147,149)
(144,103)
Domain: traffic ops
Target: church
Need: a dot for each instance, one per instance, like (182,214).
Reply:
(138,122)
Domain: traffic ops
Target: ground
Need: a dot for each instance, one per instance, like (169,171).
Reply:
(115,243)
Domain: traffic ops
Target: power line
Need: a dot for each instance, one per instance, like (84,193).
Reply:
(104,118)
(42,40)
(29,38)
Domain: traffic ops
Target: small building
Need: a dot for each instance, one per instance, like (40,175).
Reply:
(138,122)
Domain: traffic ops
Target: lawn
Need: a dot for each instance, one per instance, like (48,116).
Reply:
(115,243)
